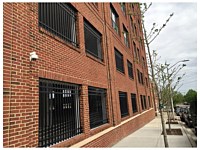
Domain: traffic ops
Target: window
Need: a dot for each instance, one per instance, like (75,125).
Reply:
(130,69)
(59,19)
(135,29)
(138,54)
(146,81)
(59,111)
(135,50)
(134,102)
(97,106)
(123,104)
(92,40)
(143,61)
(114,19)
(123,7)
(140,77)
(149,101)
(125,34)
(119,61)
(143,102)
(132,26)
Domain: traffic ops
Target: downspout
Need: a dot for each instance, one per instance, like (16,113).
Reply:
(108,68)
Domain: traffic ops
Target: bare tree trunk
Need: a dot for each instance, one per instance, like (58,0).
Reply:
(153,77)
(169,120)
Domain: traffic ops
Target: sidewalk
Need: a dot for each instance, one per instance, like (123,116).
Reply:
(150,136)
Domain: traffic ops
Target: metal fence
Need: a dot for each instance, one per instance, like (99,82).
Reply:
(59,19)
(97,106)
(59,112)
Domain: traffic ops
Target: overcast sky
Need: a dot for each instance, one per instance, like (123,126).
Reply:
(178,40)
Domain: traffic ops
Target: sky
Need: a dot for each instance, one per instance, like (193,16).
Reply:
(178,40)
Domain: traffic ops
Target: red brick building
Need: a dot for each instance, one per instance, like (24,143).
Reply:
(86,84)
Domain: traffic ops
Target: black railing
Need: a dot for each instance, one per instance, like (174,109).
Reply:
(134,102)
(123,104)
(60,20)
(59,112)
(97,106)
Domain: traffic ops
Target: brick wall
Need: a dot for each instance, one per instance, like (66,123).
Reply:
(61,61)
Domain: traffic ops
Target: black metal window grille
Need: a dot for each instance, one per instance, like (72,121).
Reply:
(92,40)
(130,69)
(123,104)
(119,61)
(142,102)
(123,8)
(125,33)
(138,74)
(114,19)
(134,102)
(59,112)
(149,101)
(141,78)
(135,50)
(145,102)
(60,20)
(97,106)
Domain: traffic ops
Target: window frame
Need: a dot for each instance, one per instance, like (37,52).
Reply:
(68,35)
(125,35)
(123,100)
(114,19)
(130,69)
(91,30)
(118,54)
(134,103)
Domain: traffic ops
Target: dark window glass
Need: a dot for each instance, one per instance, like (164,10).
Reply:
(149,101)
(60,20)
(125,34)
(92,41)
(141,78)
(97,106)
(138,74)
(142,102)
(123,104)
(130,69)
(119,61)
(114,19)
(145,103)
(134,102)
(59,112)
(123,7)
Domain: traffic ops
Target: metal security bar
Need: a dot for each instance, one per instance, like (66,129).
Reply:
(123,104)
(134,102)
(92,40)
(59,111)
(59,19)
(130,69)
(119,61)
(97,106)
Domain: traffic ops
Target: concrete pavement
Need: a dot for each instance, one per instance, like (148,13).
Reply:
(150,136)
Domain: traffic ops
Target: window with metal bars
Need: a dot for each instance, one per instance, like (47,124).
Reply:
(60,20)
(59,111)
(134,102)
(123,104)
(119,61)
(114,19)
(125,33)
(149,101)
(143,102)
(97,106)
(92,40)
(130,69)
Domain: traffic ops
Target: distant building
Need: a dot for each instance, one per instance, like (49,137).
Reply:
(72,71)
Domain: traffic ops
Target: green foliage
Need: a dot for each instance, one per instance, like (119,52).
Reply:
(190,96)
(178,98)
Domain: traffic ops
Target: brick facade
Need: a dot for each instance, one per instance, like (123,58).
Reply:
(62,61)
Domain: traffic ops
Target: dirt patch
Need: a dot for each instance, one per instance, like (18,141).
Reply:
(172,122)
(174,132)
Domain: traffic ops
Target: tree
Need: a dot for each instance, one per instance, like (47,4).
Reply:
(190,96)
(178,98)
